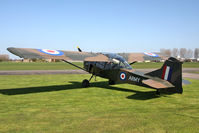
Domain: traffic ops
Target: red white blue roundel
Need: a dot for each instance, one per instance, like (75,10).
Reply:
(151,54)
(51,52)
(122,75)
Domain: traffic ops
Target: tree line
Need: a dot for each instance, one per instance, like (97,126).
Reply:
(181,52)
(4,57)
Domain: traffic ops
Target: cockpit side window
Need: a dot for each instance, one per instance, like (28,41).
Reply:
(117,61)
(111,65)
(122,65)
(108,65)
(100,65)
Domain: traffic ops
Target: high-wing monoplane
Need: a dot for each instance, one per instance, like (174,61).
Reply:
(115,67)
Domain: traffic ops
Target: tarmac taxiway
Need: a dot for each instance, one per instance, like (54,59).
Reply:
(187,72)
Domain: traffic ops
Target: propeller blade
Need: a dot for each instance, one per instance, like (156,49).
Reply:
(79,49)
(132,63)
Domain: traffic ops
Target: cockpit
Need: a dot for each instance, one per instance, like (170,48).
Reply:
(116,62)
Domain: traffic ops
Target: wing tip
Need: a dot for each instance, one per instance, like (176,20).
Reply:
(13,50)
(10,49)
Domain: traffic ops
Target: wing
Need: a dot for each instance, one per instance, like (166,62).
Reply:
(131,57)
(28,53)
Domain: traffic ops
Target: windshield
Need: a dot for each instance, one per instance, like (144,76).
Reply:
(118,61)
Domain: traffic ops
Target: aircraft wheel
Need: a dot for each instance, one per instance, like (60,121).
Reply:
(111,82)
(85,83)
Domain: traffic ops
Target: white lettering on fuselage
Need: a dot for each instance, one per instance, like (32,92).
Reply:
(135,79)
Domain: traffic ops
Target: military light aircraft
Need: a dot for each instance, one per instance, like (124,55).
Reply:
(115,67)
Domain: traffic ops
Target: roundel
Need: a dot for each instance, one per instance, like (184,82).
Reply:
(151,54)
(51,52)
(122,75)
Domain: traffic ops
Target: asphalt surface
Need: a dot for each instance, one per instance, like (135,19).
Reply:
(187,72)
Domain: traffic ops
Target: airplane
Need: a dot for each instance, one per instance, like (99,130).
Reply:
(115,67)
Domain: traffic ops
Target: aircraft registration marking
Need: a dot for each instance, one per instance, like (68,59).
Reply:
(133,78)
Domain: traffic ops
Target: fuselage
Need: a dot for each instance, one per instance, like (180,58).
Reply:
(116,69)
(113,63)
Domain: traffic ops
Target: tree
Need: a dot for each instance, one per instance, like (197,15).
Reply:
(168,52)
(4,57)
(175,52)
(196,53)
(183,52)
(189,54)
(165,52)
(162,51)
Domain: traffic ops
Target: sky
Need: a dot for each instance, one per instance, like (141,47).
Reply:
(99,25)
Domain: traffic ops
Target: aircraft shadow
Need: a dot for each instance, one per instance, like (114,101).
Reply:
(39,89)
(138,95)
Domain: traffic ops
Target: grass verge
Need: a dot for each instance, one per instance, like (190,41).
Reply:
(37,65)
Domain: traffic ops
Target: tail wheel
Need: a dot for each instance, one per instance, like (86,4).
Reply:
(85,83)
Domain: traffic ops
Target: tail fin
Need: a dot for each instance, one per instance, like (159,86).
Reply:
(172,72)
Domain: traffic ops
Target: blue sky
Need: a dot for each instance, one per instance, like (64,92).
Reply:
(99,25)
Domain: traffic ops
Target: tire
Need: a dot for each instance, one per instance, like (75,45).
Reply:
(85,83)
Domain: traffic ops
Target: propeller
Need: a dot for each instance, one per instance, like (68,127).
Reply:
(132,63)
(79,49)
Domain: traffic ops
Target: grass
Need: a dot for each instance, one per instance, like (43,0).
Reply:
(196,72)
(37,65)
(191,65)
(57,103)
(62,65)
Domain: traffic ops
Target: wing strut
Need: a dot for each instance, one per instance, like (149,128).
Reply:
(74,65)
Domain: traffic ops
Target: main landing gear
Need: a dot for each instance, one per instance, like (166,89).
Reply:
(85,82)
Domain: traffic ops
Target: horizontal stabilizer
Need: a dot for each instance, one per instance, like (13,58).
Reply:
(157,84)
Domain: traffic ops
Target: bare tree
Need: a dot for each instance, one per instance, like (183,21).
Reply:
(4,57)
(189,54)
(165,52)
(183,52)
(162,51)
(196,53)
(175,52)
(168,52)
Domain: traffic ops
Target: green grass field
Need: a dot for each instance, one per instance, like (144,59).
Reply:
(57,103)
(37,65)
(62,65)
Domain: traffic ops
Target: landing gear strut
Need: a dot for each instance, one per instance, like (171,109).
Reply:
(85,82)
